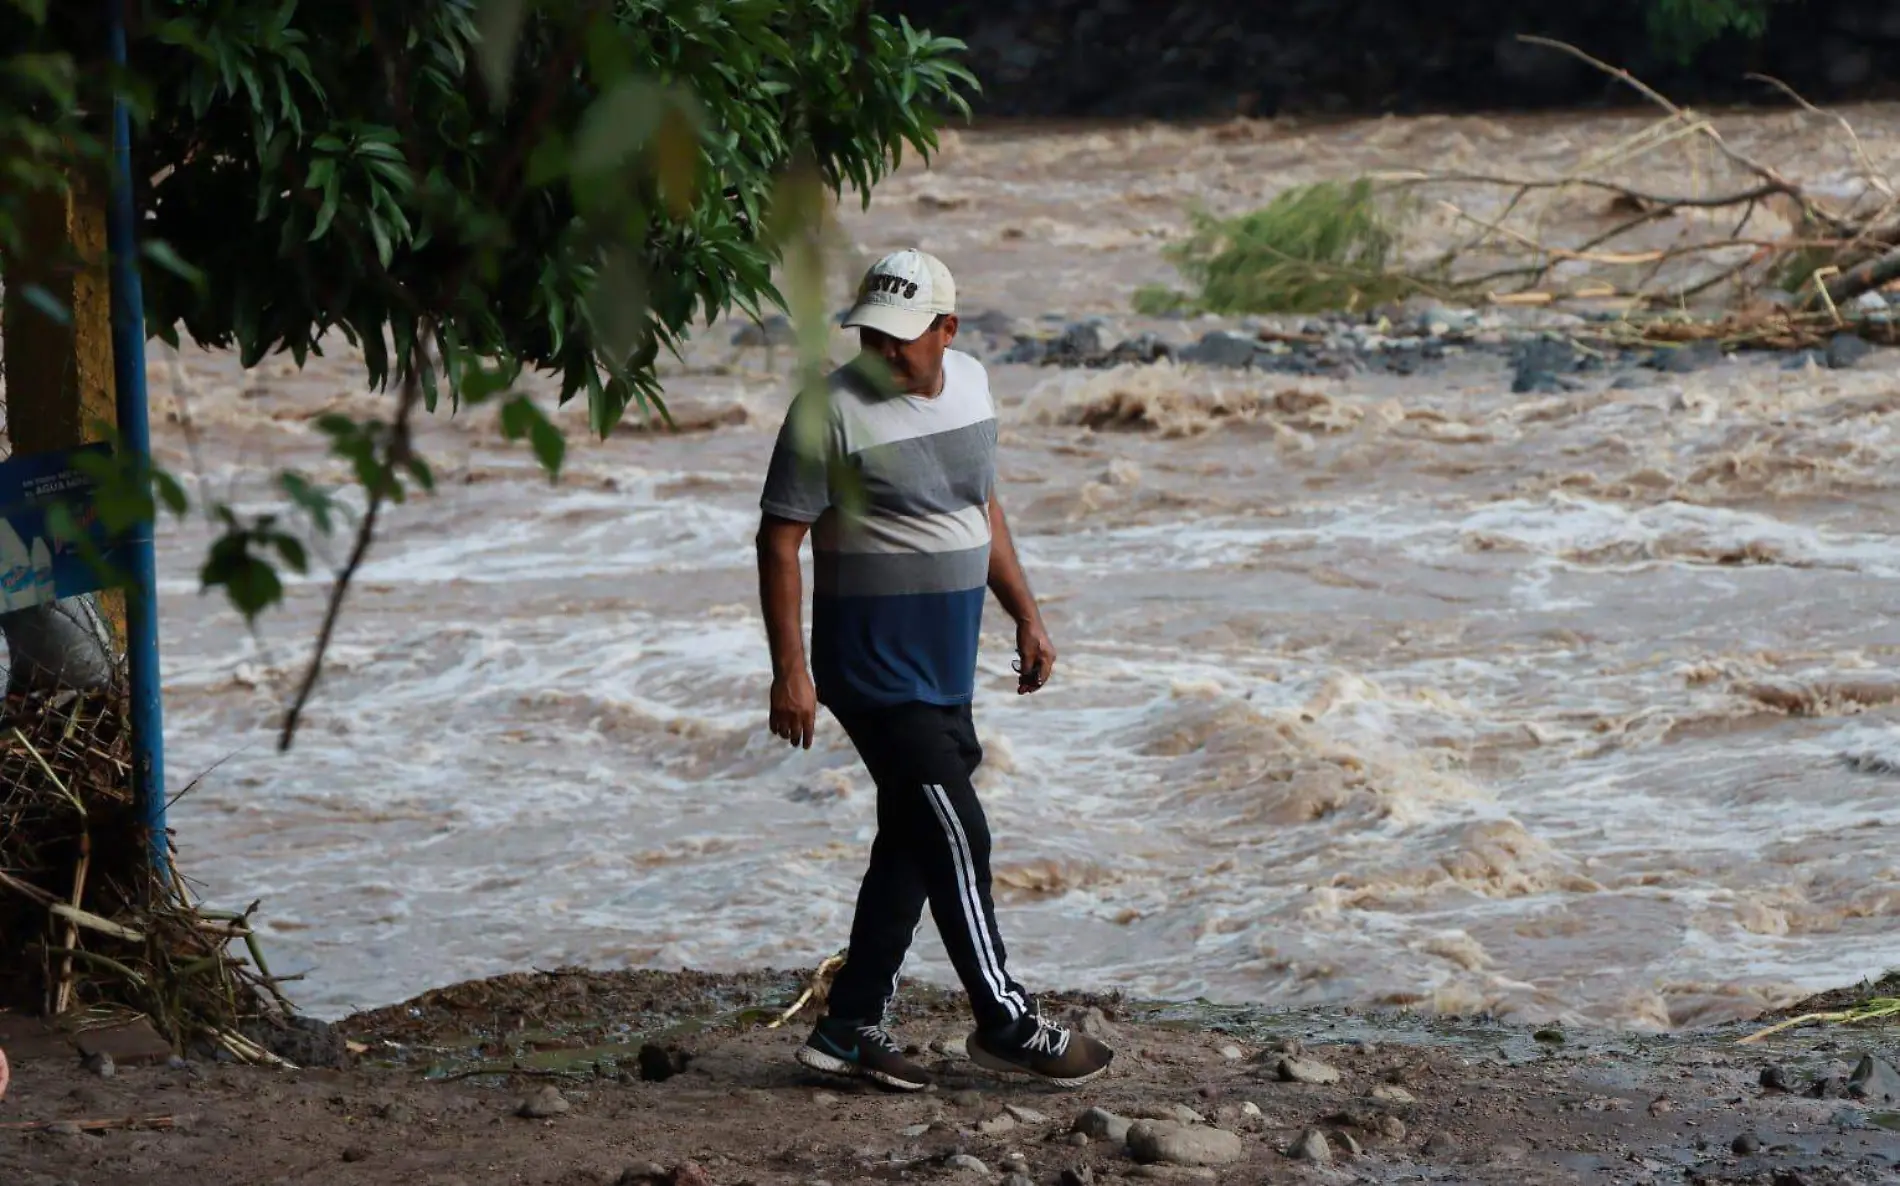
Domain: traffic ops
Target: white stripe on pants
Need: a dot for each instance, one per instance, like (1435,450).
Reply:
(972,902)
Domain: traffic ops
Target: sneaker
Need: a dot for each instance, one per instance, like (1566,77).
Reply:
(839,1047)
(1043,1049)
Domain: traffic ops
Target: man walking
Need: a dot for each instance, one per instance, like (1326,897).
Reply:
(906,534)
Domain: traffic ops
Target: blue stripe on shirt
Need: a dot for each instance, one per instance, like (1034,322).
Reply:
(872,652)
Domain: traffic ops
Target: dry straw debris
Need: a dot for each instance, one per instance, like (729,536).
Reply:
(105,936)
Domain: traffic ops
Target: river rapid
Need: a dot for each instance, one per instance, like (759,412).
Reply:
(1374,690)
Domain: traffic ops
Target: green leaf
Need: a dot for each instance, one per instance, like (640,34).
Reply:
(166,257)
(550,447)
(498,27)
(170,493)
(249,582)
(677,158)
(385,251)
(420,471)
(326,213)
(314,502)
(291,549)
(517,417)
(48,305)
(617,305)
(616,127)
(521,417)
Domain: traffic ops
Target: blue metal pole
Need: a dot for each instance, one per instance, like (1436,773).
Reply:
(135,437)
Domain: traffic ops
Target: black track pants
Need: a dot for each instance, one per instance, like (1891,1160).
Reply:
(933,844)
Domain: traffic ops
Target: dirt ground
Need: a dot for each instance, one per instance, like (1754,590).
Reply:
(676,1079)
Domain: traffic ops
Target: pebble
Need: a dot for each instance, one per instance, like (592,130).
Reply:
(996,1126)
(1223,348)
(690,1173)
(395,1112)
(543,1105)
(1440,1144)
(1168,1142)
(641,1172)
(1844,350)
(913,1130)
(1311,1146)
(1875,1081)
(1077,1140)
(824,1099)
(1746,1145)
(1179,1113)
(1102,1125)
(101,1064)
(967,1099)
(1083,341)
(65,1128)
(1681,360)
(1306,1070)
(1392,1094)
(1250,1110)
(1232,1053)
(659,1063)
(992,323)
(1174,1173)
(955,1047)
(1348,1142)
(1775,1078)
(1550,1034)
(1390,1127)
(1095,1024)
(967,1164)
(1143,348)
(1025,1115)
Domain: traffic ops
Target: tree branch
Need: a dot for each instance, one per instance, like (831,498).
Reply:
(395,453)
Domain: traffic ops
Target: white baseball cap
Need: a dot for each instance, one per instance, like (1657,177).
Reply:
(903,293)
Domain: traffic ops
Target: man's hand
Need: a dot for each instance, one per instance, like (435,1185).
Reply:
(794,709)
(1035,656)
(794,700)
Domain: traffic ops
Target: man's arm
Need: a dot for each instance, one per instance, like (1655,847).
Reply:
(1035,654)
(781,596)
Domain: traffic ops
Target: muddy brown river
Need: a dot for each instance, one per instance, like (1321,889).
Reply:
(1376,689)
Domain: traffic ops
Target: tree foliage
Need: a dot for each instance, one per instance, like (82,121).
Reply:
(465,189)
(1683,27)
(574,207)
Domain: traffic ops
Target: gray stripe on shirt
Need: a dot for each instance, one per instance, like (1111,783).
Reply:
(871,574)
(931,475)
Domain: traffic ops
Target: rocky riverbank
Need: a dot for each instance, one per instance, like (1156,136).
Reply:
(1543,350)
(576,1078)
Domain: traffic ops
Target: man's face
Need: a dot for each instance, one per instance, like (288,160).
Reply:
(916,366)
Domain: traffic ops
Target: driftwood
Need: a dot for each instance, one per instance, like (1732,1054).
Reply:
(1831,253)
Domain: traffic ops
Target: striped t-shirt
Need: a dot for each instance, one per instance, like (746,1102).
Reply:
(897,599)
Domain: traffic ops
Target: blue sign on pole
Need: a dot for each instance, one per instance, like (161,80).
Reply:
(36,565)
